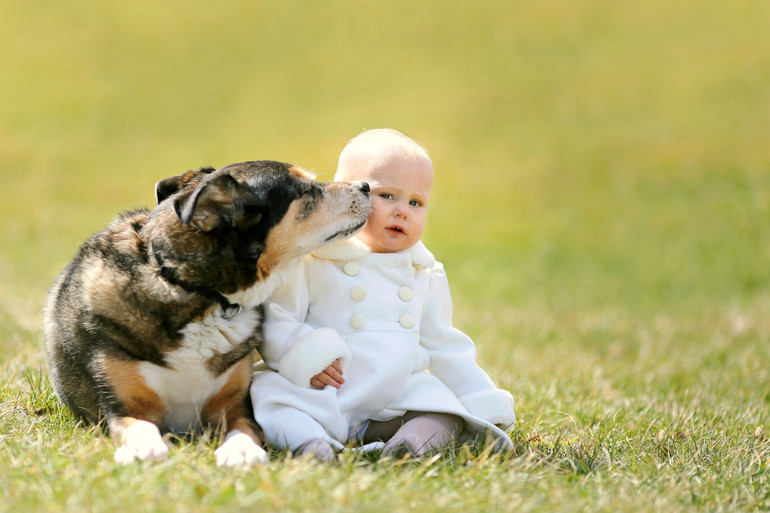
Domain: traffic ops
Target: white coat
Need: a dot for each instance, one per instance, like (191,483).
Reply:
(388,318)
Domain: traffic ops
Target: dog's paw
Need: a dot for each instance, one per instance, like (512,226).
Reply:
(239,450)
(142,441)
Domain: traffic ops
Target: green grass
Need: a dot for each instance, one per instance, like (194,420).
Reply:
(601,205)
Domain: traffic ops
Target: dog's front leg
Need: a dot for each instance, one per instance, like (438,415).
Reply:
(241,446)
(140,411)
(139,440)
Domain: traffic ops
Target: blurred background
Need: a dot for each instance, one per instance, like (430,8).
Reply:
(590,156)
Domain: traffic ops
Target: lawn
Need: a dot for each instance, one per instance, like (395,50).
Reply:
(602,207)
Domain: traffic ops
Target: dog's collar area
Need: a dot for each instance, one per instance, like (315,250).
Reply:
(229,310)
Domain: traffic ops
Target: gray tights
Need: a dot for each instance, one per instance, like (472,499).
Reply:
(416,433)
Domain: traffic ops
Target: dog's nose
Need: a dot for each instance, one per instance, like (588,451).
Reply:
(364,186)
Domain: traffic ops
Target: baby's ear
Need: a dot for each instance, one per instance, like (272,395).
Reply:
(216,203)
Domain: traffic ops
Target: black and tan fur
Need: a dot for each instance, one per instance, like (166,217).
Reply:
(154,324)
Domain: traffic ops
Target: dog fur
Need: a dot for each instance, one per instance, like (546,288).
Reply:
(154,324)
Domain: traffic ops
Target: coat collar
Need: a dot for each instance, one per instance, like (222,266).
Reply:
(353,249)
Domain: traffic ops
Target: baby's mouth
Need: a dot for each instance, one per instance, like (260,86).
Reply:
(396,229)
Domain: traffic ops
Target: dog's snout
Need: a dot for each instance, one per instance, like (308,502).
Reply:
(363,186)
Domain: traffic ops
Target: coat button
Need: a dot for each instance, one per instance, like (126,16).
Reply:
(358,293)
(405,294)
(407,321)
(350,268)
(357,321)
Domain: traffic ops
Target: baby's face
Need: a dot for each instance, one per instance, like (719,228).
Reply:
(400,191)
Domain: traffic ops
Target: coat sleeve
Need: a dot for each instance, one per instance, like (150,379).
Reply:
(453,358)
(295,349)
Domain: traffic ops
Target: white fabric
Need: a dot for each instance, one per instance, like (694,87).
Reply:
(306,358)
(392,369)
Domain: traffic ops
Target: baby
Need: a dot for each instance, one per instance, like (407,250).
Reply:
(359,342)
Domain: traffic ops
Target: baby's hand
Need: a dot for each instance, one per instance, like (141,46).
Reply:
(331,375)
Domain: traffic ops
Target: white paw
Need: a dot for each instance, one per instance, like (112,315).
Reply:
(239,450)
(142,441)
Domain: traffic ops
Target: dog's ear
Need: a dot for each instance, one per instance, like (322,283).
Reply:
(166,187)
(173,184)
(216,203)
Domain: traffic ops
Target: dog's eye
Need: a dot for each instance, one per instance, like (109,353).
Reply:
(310,191)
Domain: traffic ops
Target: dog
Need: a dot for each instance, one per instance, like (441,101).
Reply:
(154,324)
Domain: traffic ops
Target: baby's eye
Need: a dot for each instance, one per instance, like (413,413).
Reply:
(415,203)
(386,195)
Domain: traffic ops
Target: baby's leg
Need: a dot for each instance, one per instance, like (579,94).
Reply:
(415,433)
(423,433)
(295,430)
(301,420)
(302,434)
(382,431)
(318,448)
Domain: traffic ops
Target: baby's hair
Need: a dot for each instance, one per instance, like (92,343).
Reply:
(372,149)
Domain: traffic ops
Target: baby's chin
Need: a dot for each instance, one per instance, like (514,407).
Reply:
(387,246)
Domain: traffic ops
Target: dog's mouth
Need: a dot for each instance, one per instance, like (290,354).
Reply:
(346,232)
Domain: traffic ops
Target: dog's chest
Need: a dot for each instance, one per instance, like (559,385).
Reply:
(187,382)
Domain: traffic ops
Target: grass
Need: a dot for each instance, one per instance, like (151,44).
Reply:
(601,206)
